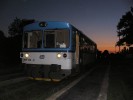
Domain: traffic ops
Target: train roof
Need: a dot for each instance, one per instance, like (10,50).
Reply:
(46,25)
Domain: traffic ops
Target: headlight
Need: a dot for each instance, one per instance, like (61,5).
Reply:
(58,55)
(26,55)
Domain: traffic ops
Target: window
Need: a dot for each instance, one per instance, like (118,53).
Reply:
(50,39)
(56,38)
(32,39)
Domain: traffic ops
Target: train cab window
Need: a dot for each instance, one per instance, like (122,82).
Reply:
(56,38)
(25,40)
(50,40)
(32,39)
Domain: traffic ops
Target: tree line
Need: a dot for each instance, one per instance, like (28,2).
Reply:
(125,29)
(10,47)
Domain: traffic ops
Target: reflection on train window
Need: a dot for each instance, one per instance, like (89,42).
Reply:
(32,39)
(56,38)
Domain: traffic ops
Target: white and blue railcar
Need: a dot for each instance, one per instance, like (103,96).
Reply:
(54,50)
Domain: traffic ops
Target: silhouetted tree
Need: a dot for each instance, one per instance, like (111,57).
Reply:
(2,40)
(105,56)
(13,48)
(125,29)
(2,34)
(105,53)
(16,27)
(2,46)
(14,41)
(99,54)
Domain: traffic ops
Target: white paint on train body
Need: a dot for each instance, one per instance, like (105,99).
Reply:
(48,58)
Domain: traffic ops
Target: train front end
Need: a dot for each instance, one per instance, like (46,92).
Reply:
(46,51)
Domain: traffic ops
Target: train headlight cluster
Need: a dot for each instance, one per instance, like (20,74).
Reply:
(58,55)
(64,55)
(26,55)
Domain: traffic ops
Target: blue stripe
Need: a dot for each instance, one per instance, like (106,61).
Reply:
(50,25)
(47,50)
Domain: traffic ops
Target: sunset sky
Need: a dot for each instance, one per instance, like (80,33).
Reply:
(95,18)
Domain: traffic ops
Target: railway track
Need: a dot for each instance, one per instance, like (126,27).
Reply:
(11,76)
(24,89)
(12,81)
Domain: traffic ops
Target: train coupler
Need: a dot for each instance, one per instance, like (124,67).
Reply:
(55,67)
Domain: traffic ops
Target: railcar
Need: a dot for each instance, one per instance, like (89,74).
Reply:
(54,50)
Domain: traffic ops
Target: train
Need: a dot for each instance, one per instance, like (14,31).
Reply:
(54,50)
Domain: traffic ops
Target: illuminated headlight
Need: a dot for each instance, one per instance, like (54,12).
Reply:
(26,55)
(58,55)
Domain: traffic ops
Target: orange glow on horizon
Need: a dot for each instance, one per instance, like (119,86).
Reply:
(106,42)
(111,49)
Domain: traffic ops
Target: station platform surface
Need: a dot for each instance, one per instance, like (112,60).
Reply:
(88,88)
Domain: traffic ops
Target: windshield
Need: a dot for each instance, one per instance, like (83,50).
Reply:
(50,39)
(56,39)
(32,39)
